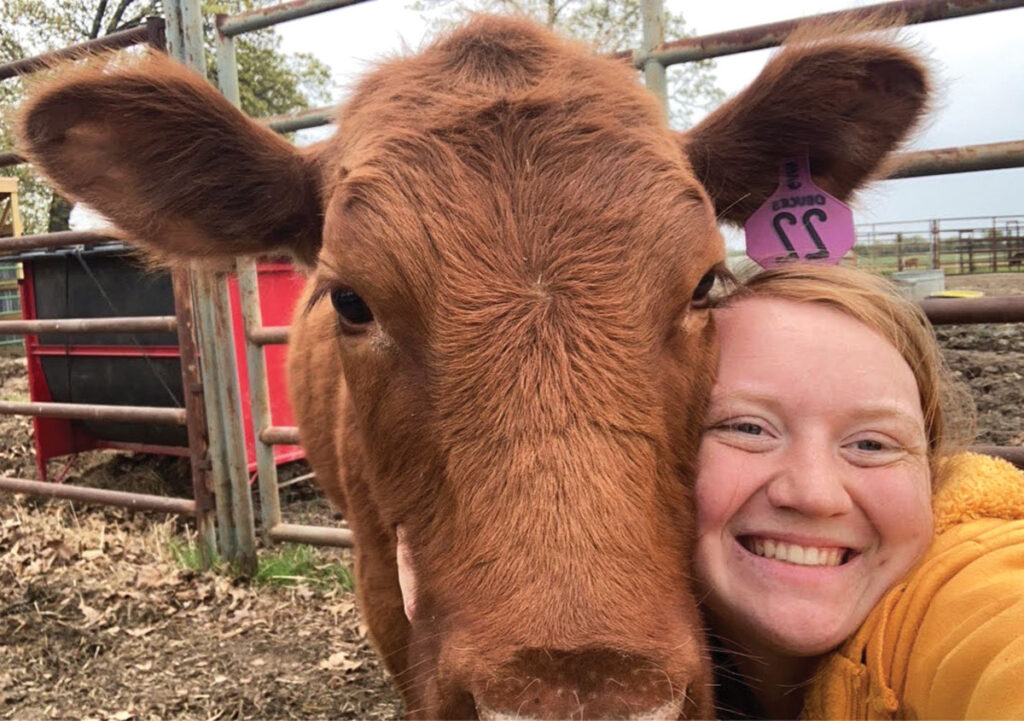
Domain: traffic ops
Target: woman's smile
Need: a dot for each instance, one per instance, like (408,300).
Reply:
(794,553)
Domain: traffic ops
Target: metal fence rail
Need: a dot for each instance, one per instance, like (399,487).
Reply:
(993,309)
(48,241)
(965,159)
(770,35)
(231,25)
(137,324)
(268,335)
(151,33)
(95,412)
(134,501)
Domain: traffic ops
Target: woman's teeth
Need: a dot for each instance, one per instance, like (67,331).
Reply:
(792,553)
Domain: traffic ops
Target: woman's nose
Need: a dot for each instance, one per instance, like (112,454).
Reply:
(812,480)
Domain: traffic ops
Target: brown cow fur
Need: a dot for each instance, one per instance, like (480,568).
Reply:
(527,400)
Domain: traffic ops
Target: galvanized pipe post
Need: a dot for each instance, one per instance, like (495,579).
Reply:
(198,435)
(249,299)
(236,539)
(652,13)
(203,292)
(181,44)
(229,402)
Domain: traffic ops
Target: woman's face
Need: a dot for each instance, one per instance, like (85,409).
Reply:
(814,495)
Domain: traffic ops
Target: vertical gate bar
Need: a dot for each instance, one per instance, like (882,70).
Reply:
(202,293)
(191,378)
(228,392)
(652,14)
(198,441)
(249,299)
(178,47)
(259,397)
(184,31)
(229,397)
(217,356)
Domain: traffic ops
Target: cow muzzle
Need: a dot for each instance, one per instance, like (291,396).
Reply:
(594,684)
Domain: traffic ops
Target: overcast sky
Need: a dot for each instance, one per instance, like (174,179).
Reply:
(979,62)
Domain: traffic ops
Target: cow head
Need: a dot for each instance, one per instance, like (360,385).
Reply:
(503,357)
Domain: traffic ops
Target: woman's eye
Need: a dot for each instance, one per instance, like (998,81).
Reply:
(751,429)
(869,445)
(748,434)
(744,427)
(351,307)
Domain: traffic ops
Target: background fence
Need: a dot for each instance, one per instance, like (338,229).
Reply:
(955,245)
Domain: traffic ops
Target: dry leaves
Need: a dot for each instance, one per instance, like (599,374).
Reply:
(340,661)
(96,621)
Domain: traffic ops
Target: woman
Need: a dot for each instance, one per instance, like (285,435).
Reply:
(853,567)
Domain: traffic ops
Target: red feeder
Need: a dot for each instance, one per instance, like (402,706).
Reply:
(142,369)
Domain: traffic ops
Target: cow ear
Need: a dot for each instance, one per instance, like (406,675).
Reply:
(846,99)
(156,149)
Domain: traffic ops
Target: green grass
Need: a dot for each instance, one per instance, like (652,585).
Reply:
(284,565)
(185,554)
(293,564)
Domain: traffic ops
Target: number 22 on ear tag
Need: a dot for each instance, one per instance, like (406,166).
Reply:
(799,222)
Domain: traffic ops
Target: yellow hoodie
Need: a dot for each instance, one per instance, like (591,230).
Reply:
(947,642)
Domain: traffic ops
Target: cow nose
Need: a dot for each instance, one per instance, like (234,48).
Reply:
(596,684)
(668,712)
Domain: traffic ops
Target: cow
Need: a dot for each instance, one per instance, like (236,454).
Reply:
(501,361)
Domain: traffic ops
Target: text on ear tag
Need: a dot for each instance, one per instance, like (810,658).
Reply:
(799,222)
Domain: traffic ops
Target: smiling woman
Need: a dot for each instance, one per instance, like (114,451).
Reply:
(819,535)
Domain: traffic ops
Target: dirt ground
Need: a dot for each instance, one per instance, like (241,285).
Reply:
(989,360)
(99,621)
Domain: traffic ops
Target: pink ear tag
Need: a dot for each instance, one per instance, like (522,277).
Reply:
(799,222)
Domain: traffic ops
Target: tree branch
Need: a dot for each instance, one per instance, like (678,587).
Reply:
(137,20)
(115,21)
(97,20)
(560,8)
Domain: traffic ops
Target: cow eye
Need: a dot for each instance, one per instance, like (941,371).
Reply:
(351,307)
(700,293)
